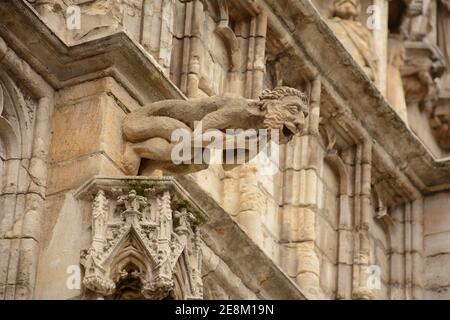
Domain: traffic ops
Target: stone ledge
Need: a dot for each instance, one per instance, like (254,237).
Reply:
(242,256)
(62,65)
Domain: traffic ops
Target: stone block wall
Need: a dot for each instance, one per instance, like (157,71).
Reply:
(318,218)
(86,142)
(437,246)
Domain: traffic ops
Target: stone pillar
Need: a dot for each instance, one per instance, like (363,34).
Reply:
(249,216)
(345,231)
(23,193)
(362,211)
(31,225)
(417,249)
(380,37)
(258,60)
(301,173)
(193,48)
(157,30)
(397,261)
(406,278)
(87,133)
(87,141)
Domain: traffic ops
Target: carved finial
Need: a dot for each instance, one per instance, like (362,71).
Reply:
(133,204)
(185,218)
(99,216)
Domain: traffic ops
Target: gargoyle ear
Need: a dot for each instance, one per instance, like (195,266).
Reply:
(305,112)
(302,118)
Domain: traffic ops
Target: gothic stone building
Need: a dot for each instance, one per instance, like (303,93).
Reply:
(359,206)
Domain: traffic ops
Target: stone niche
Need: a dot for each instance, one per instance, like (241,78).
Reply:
(145,240)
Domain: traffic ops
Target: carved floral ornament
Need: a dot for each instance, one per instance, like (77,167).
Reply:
(145,240)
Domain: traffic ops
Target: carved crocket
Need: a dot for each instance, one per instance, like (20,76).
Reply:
(148,131)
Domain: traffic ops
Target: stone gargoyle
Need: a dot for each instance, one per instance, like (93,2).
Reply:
(149,130)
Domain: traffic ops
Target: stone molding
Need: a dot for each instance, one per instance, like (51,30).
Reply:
(60,64)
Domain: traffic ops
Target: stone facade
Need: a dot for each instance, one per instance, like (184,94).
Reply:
(91,206)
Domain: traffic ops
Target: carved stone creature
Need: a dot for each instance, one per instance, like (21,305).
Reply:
(355,37)
(416,24)
(148,131)
(395,91)
(440,123)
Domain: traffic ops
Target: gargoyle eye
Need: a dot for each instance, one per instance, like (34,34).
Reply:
(293,108)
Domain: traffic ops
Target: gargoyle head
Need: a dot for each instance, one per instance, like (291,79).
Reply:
(286,110)
(346,9)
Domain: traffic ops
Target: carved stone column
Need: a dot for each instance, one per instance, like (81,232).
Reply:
(362,212)
(157,30)
(251,200)
(345,232)
(303,161)
(380,40)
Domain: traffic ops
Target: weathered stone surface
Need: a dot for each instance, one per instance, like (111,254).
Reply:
(149,130)
(354,35)
(436,267)
(70,174)
(437,243)
(60,251)
(143,231)
(437,218)
(358,194)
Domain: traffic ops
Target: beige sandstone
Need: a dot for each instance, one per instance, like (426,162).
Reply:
(361,187)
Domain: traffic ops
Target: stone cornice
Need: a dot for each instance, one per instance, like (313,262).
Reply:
(91,187)
(61,64)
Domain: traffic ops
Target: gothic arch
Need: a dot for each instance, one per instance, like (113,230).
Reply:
(15,123)
(12,126)
(127,269)
(8,133)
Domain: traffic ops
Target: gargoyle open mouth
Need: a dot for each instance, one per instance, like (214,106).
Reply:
(289,130)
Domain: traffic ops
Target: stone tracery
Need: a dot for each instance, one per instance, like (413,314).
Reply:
(138,242)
